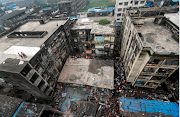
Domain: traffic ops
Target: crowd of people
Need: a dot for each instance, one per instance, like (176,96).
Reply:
(120,79)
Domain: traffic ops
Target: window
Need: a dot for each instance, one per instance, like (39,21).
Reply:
(142,2)
(26,70)
(46,89)
(136,2)
(34,77)
(120,3)
(131,2)
(125,3)
(149,70)
(118,19)
(129,33)
(119,14)
(171,62)
(136,51)
(123,9)
(164,71)
(122,18)
(153,62)
(144,77)
(122,14)
(120,9)
(157,78)
(41,84)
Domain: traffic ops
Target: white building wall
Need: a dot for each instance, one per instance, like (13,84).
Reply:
(121,5)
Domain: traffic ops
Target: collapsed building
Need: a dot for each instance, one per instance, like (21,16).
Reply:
(46,44)
(71,7)
(150,49)
(15,107)
(93,38)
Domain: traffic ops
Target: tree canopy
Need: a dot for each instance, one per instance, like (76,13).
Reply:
(104,21)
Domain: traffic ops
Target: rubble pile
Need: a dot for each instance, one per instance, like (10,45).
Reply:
(94,101)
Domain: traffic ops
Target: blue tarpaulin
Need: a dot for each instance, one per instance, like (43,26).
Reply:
(98,9)
(149,106)
(11,7)
(148,4)
(72,95)
(46,8)
(175,0)
(100,52)
(74,17)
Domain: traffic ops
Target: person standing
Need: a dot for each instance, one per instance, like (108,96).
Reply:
(23,55)
(20,55)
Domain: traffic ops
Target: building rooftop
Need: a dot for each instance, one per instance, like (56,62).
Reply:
(158,37)
(98,73)
(93,24)
(173,17)
(10,47)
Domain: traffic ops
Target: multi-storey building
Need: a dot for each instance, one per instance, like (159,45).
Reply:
(93,38)
(149,49)
(46,45)
(121,5)
(10,19)
(71,7)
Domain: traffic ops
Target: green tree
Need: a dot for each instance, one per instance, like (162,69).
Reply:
(44,5)
(104,21)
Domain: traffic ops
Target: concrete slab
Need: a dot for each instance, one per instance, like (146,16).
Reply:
(8,44)
(156,36)
(96,28)
(98,73)
(173,17)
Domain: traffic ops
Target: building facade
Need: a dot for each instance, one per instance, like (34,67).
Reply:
(71,7)
(149,50)
(122,5)
(10,19)
(46,48)
(93,38)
